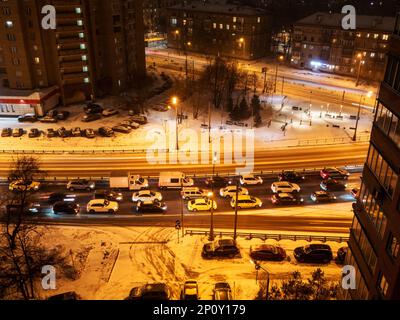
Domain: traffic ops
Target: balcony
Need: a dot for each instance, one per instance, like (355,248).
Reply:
(72,52)
(78,75)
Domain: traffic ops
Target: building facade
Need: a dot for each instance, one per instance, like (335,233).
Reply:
(97,46)
(320,43)
(375,232)
(217,28)
(155,14)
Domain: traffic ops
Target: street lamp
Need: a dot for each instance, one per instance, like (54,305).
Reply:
(280,59)
(358,118)
(258,267)
(359,56)
(174,101)
(211,196)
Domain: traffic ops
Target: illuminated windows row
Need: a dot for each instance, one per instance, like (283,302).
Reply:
(388,123)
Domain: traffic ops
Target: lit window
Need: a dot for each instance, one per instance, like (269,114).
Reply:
(214,25)
(82,46)
(81,35)
(385,37)
(234,19)
(221,26)
(174,22)
(85,69)
(368,35)
(79,22)
(9,24)
(78,10)
(258,19)
(35,47)
(86,80)
(383,285)
(393,247)
(227,27)
(372,54)
(358,35)
(376,35)
(305,46)
(37,60)
(84,57)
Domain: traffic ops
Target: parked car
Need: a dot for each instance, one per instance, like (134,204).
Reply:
(91,117)
(102,206)
(222,291)
(138,119)
(285,187)
(266,252)
(76,132)
(19,185)
(34,133)
(150,207)
(332,185)
(251,180)
(29,117)
(93,108)
(146,195)
(230,191)
(106,132)
(341,254)
(54,197)
(52,113)
(122,129)
(202,204)
(6,132)
(246,202)
(217,182)
(51,133)
(109,112)
(317,253)
(71,295)
(130,124)
(291,176)
(48,119)
(15,205)
(63,115)
(189,193)
(17,132)
(81,184)
(322,196)
(334,173)
(64,133)
(153,291)
(66,207)
(220,248)
(89,133)
(190,290)
(286,198)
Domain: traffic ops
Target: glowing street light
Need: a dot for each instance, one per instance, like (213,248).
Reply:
(174,101)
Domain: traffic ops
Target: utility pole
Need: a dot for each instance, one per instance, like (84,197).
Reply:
(276,77)
(283,83)
(358,118)
(182,225)
(359,72)
(211,235)
(209,123)
(236,210)
(264,71)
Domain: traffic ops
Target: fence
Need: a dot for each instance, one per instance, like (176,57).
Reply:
(326,141)
(266,236)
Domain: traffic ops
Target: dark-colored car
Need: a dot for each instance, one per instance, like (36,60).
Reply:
(91,117)
(54,197)
(106,132)
(71,295)
(139,119)
(291,176)
(17,132)
(92,108)
(190,290)
(122,129)
(64,133)
(6,132)
(51,133)
(217,181)
(150,207)
(153,291)
(66,207)
(222,291)
(63,115)
(322,196)
(29,117)
(267,252)
(332,185)
(341,254)
(334,173)
(89,133)
(220,248)
(286,198)
(317,253)
(109,195)
(34,133)
(76,132)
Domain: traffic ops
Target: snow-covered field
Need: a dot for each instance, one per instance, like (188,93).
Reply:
(113,260)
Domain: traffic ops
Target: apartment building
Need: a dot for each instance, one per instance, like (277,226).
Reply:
(320,43)
(215,27)
(375,232)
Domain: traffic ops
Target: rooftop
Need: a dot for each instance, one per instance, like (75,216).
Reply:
(362,21)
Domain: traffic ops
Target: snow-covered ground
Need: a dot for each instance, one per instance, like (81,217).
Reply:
(113,260)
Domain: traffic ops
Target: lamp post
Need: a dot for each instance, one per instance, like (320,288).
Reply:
(280,58)
(175,103)
(358,118)
(258,267)
(211,196)
(359,56)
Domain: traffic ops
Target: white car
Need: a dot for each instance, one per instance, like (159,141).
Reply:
(230,191)
(201,205)
(109,112)
(146,195)
(285,187)
(250,179)
(102,206)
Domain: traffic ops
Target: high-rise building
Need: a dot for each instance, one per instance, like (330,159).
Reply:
(97,46)
(375,232)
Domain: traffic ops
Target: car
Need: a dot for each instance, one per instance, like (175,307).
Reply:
(139,119)
(217,182)
(54,197)
(109,195)
(246,202)
(220,248)
(122,129)
(28,207)
(52,113)
(91,117)
(322,196)
(334,173)
(190,290)
(354,192)
(285,187)
(153,291)
(222,291)
(64,133)
(202,204)
(81,184)
(130,124)
(89,133)
(51,133)
(20,185)
(106,132)
(29,117)
(251,180)
(63,115)
(151,207)
(102,206)
(34,133)
(93,108)
(71,295)
(17,132)
(6,132)
(332,185)
(341,254)
(317,253)
(230,191)
(267,252)
(291,176)
(146,195)
(286,198)
(66,207)
(189,193)
(76,132)
(50,117)
(109,112)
